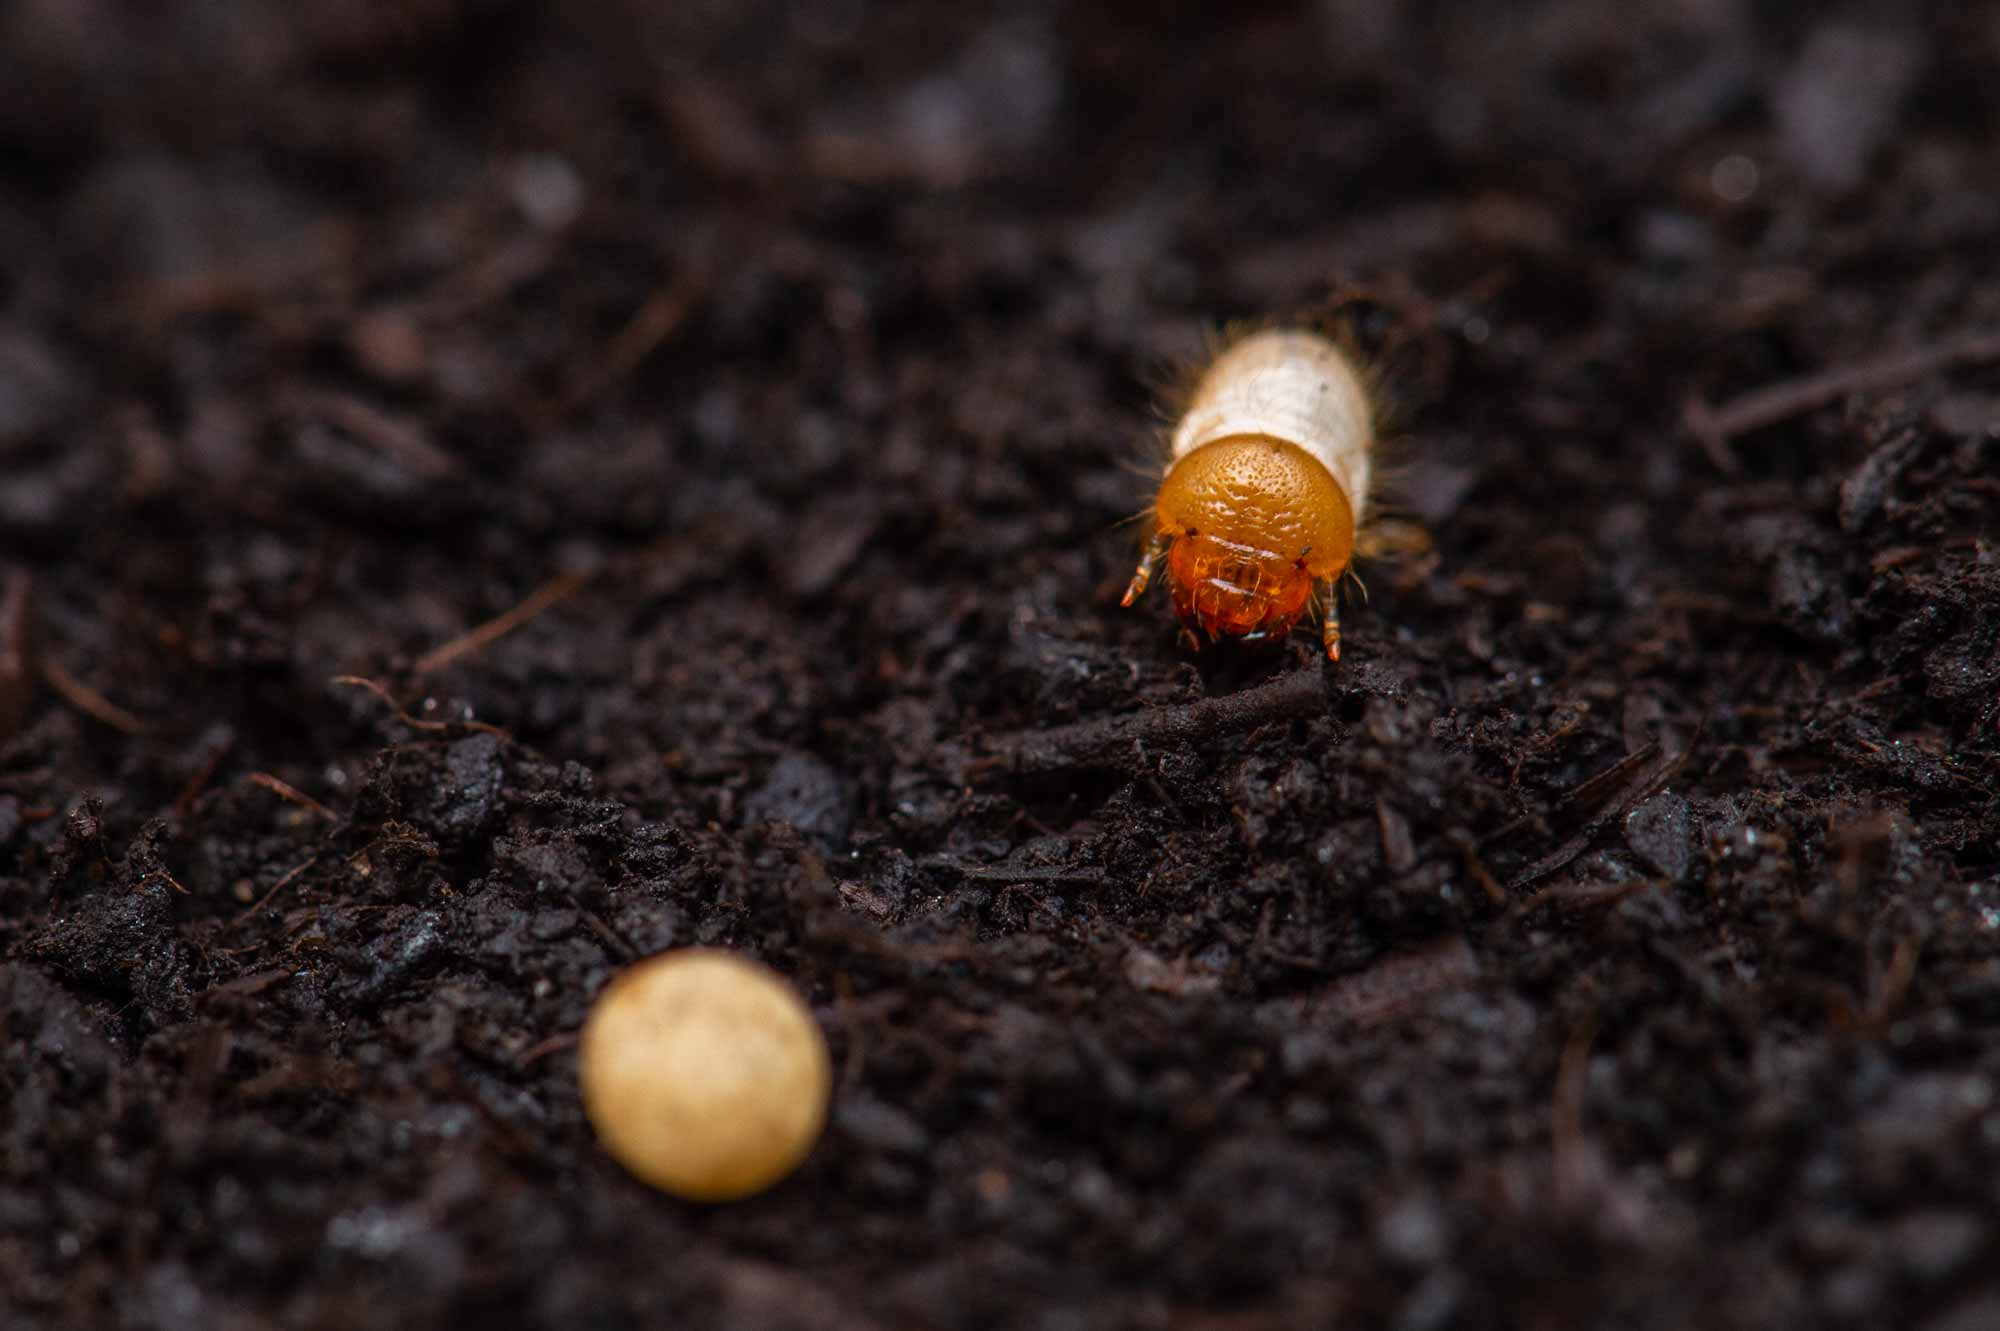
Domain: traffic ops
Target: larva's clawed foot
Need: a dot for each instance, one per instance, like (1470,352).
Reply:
(1142,577)
(1330,626)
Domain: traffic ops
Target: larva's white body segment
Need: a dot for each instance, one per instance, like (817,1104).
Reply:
(1287,385)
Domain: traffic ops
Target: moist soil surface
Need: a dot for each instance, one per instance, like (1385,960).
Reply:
(1609,938)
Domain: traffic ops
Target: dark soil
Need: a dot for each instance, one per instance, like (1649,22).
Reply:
(1612,938)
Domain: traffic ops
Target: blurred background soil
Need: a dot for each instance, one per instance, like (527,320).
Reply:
(1609,939)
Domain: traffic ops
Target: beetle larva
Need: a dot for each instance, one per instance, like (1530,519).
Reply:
(1266,483)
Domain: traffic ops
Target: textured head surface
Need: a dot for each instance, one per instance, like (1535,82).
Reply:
(1255,522)
(1263,494)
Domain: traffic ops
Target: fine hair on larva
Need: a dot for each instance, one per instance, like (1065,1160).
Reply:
(1268,477)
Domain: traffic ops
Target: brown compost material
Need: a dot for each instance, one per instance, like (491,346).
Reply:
(490,490)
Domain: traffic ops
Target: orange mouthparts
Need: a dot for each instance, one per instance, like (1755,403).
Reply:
(1229,590)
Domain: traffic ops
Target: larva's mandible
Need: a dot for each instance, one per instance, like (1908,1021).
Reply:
(1265,487)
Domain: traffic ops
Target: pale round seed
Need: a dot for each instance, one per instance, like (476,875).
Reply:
(704,1074)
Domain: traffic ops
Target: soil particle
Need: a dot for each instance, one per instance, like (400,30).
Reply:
(121,945)
(806,793)
(1663,833)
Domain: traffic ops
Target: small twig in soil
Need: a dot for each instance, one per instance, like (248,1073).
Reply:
(17,650)
(834,930)
(1399,850)
(1600,786)
(1888,993)
(1114,741)
(553,592)
(1585,794)
(1468,850)
(291,875)
(1000,873)
(391,434)
(184,803)
(89,701)
(1647,784)
(291,794)
(537,1052)
(618,943)
(1395,984)
(1695,974)
(1714,427)
(415,722)
(651,324)
(1566,1145)
(853,1016)
(247,986)
(1580,898)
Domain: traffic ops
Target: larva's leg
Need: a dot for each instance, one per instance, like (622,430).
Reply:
(1156,550)
(1330,626)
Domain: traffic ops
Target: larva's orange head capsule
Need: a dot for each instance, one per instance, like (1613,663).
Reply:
(1255,522)
(1270,470)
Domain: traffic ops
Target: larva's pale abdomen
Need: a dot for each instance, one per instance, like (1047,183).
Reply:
(1269,473)
(1292,386)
